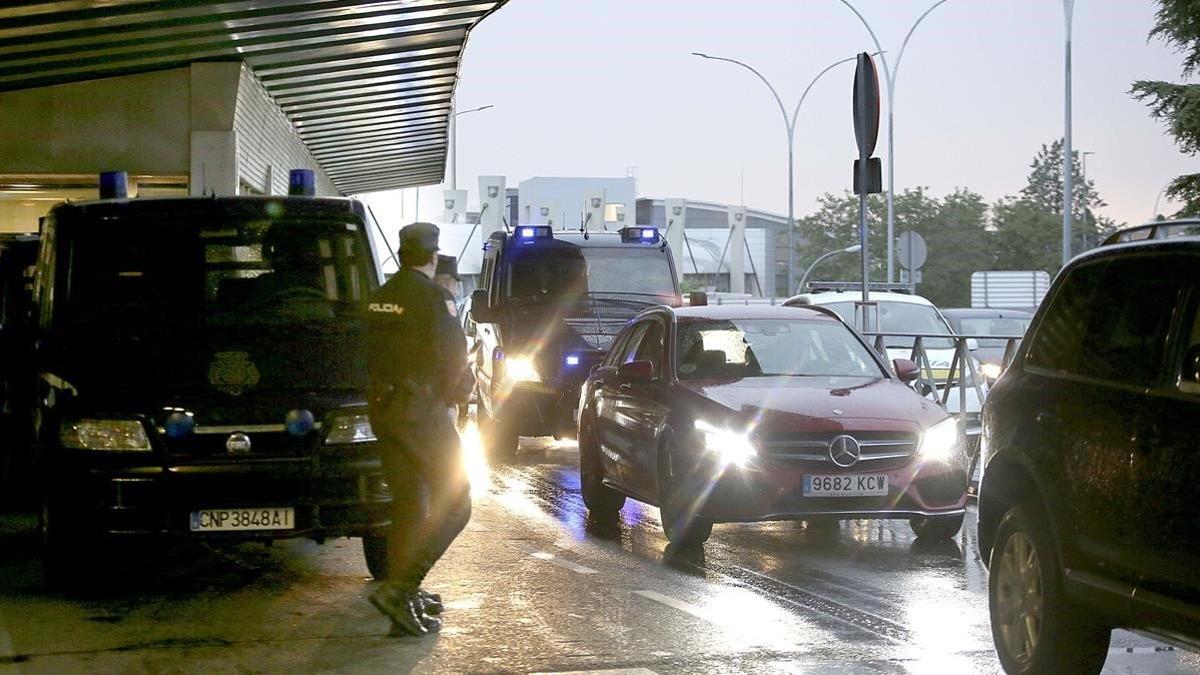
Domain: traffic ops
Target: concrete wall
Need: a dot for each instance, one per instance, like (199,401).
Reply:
(268,145)
(138,123)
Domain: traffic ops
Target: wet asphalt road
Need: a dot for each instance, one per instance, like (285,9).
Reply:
(531,586)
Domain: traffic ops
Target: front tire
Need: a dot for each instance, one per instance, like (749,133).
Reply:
(64,547)
(1036,627)
(676,509)
(499,440)
(375,552)
(600,500)
(937,528)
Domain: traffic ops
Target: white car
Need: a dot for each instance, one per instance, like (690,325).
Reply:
(913,314)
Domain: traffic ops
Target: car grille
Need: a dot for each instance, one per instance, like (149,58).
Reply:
(880,451)
(209,442)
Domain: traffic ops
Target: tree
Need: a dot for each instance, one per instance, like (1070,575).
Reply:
(1026,236)
(1178,24)
(953,227)
(1044,187)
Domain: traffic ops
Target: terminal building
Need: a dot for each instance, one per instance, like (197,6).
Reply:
(224,98)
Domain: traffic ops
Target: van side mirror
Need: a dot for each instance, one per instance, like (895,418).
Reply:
(906,371)
(972,344)
(481,309)
(635,371)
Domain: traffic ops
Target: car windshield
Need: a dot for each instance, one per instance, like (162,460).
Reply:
(570,271)
(986,325)
(150,270)
(903,317)
(736,348)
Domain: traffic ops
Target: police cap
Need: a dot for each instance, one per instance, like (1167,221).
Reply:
(448,264)
(419,236)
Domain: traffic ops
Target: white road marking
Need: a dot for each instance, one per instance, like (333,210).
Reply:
(675,604)
(535,552)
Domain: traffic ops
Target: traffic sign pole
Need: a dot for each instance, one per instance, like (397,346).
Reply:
(866,132)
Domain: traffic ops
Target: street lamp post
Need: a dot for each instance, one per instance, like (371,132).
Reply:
(849,249)
(889,75)
(1068,156)
(790,125)
(454,142)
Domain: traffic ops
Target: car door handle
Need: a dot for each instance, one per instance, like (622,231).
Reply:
(1046,418)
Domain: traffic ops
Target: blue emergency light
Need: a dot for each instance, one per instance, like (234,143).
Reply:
(302,182)
(114,185)
(572,359)
(639,235)
(530,233)
(179,424)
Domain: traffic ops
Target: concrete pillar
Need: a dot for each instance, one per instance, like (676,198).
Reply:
(214,163)
(491,204)
(737,249)
(676,219)
(593,209)
(455,206)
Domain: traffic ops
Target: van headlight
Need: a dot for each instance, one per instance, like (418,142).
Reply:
(939,441)
(347,428)
(731,447)
(109,435)
(520,369)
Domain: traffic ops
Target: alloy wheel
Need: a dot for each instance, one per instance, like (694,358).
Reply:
(1020,597)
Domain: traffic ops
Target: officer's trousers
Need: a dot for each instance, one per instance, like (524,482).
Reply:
(431,498)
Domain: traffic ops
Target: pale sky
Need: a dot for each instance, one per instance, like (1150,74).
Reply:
(591,87)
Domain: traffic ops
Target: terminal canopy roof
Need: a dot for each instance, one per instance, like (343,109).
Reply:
(366,83)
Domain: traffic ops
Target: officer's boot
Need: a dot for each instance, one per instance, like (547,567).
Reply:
(431,601)
(402,607)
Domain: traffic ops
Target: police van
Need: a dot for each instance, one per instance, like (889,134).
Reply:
(549,304)
(201,373)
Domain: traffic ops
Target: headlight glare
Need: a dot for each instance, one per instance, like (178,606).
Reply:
(939,441)
(990,371)
(109,435)
(520,369)
(731,447)
(348,428)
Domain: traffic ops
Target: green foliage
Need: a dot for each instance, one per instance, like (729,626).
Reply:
(1178,24)
(1026,236)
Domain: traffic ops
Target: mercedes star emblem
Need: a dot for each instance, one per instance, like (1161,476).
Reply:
(844,451)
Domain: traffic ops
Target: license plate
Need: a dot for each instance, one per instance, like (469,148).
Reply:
(851,485)
(243,520)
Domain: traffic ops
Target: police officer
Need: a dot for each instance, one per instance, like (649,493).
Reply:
(418,371)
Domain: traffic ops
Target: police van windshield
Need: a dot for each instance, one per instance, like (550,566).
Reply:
(567,272)
(146,272)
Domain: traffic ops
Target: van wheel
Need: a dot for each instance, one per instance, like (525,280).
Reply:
(375,551)
(601,500)
(1035,626)
(501,443)
(937,528)
(63,546)
(676,509)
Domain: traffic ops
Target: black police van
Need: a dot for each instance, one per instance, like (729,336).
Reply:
(201,373)
(18,253)
(549,304)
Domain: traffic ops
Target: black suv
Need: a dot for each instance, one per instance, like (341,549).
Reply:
(1089,513)
(550,304)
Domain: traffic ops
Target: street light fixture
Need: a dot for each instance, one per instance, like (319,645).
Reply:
(790,125)
(454,142)
(849,249)
(890,76)
(1068,199)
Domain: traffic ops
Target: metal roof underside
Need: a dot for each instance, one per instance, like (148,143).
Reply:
(367,84)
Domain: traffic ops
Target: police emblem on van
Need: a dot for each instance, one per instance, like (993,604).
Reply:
(233,372)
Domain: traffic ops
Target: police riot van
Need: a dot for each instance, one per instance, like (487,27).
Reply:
(201,373)
(549,304)
(18,253)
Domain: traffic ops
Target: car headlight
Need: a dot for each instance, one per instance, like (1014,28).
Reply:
(939,441)
(114,435)
(520,369)
(990,371)
(731,447)
(346,428)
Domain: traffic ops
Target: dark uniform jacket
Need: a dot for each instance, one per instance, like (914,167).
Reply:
(414,344)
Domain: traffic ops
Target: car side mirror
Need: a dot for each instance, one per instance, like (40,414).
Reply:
(906,371)
(481,309)
(635,371)
(972,344)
